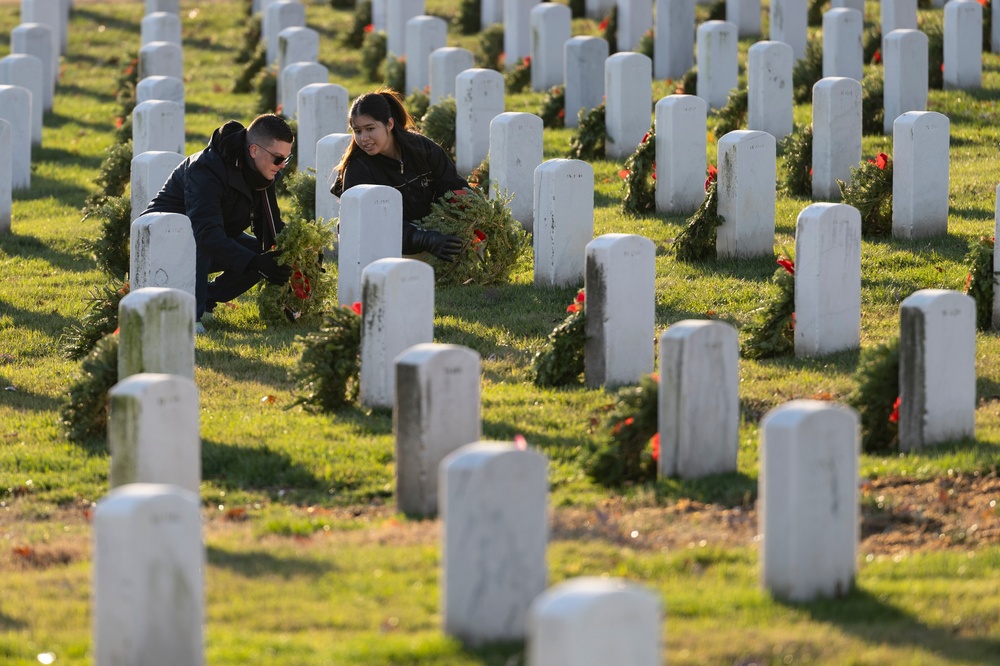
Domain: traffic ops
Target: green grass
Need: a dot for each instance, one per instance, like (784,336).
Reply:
(299,588)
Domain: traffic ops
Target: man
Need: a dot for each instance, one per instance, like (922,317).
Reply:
(224,189)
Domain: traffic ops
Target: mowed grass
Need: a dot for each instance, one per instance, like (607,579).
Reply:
(291,586)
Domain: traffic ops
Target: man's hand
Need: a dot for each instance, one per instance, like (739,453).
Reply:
(267,265)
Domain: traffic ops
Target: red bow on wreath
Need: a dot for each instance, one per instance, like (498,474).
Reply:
(300,285)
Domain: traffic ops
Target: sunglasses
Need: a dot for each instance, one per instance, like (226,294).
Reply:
(277,160)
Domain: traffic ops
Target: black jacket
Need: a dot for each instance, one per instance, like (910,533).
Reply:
(210,188)
(425,174)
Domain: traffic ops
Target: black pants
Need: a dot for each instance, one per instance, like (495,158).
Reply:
(226,286)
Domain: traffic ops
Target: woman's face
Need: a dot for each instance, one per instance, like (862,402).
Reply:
(372,136)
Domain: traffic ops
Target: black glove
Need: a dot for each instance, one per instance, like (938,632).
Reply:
(442,246)
(266,265)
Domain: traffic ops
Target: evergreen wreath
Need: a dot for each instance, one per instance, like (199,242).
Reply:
(244,83)
(112,247)
(518,78)
(696,241)
(640,176)
(490,48)
(85,412)
(871,44)
(116,172)
(932,25)
(374,50)
(266,85)
(561,362)
(301,243)
(689,83)
(469,17)
(591,135)
(870,191)
(252,35)
(981,280)
(395,73)
(876,396)
(417,102)
(646,44)
(772,333)
(99,320)
(873,102)
(553,113)
(123,131)
(438,124)
(807,72)
(360,26)
(631,453)
(326,376)
(796,170)
(301,187)
(125,85)
(494,240)
(480,177)
(733,115)
(609,29)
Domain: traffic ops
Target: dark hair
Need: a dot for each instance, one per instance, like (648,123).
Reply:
(267,128)
(381,105)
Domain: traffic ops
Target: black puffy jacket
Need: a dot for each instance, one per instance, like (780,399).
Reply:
(209,187)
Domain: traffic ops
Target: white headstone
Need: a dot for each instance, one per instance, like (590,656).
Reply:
(843,50)
(515,151)
(322,110)
(699,402)
(161,59)
(167,88)
(160,27)
(790,24)
(585,58)
(277,16)
(596,9)
(294,78)
(380,15)
(673,48)
(620,305)
(564,221)
(15,108)
(963,44)
(550,29)
(6,198)
(920,170)
(809,508)
(827,279)
(745,15)
(171,6)
(517,31)
(297,43)
(594,622)
(157,331)
(157,125)
(836,134)
(635,18)
(153,431)
(746,189)
(21,69)
(447,63)
(435,413)
(490,12)
(397,301)
(937,368)
(35,39)
(149,173)
(897,15)
(162,252)
(681,145)
(424,36)
(494,516)
(398,12)
(329,150)
(52,14)
(479,97)
(148,580)
(718,70)
(770,102)
(371,228)
(849,4)
(628,80)
(904,57)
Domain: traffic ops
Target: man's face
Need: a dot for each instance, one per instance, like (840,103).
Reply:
(265,156)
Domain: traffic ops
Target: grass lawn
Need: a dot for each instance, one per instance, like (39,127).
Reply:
(308,561)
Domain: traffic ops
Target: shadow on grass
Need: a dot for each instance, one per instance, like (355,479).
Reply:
(877,622)
(255,468)
(7,622)
(108,20)
(23,245)
(237,366)
(733,489)
(26,401)
(257,563)
(49,323)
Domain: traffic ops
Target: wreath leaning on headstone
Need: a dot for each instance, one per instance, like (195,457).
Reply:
(632,450)
(560,362)
(591,135)
(490,48)
(361,24)
(480,176)
(980,282)
(519,77)
(696,241)
(639,175)
(395,73)
(98,320)
(417,102)
(733,115)
(870,191)
(374,49)
(772,333)
(553,113)
(873,102)
(326,376)
(85,413)
(112,247)
(796,171)
(876,396)
(301,243)
(438,124)
(807,72)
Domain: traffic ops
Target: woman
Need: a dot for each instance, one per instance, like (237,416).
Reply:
(387,150)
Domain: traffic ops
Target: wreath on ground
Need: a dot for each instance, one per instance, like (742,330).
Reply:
(609,29)
(796,170)
(807,72)
(772,332)
(591,135)
(116,172)
(374,49)
(639,175)
(438,124)
(733,115)
(99,320)
(490,47)
(326,377)
(301,243)
(696,241)
(112,247)
(493,239)
(870,191)
(85,413)
(395,73)
(244,83)
(301,188)
(632,450)
(518,78)
(252,34)
(266,86)
(480,177)
(360,26)
(417,103)
(561,362)
(877,397)
(981,280)
(553,113)
(873,102)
